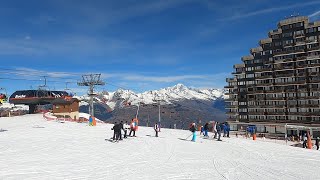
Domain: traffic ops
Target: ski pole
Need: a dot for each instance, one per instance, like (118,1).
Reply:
(188,136)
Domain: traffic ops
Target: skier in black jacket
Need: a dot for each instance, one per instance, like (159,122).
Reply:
(206,129)
(120,128)
(114,128)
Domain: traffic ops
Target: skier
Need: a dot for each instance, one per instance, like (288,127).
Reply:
(304,138)
(201,130)
(317,143)
(193,130)
(215,130)
(224,129)
(156,129)
(206,129)
(120,128)
(115,129)
(132,128)
(227,129)
(219,129)
(125,129)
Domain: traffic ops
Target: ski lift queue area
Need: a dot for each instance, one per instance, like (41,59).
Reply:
(277,130)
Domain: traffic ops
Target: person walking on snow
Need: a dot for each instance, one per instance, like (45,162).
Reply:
(156,129)
(193,130)
(317,143)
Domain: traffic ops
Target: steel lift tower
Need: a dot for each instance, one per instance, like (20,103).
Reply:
(91,80)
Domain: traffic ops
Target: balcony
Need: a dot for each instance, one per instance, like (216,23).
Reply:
(265,41)
(273,32)
(231,99)
(292,20)
(285,75)
(302,90)
(314,80)
(264,77)
(276,113)
(231,113)
(299,35)
(255,113)
(301,65)
(301,74)
(291,90)
(229,86)
(302,58)
(313,57)
(275,98)
(313,48)
(255,50)
(249,57)
(231,107)
(263,70)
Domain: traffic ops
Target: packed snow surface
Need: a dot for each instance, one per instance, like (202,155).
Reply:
(32,148)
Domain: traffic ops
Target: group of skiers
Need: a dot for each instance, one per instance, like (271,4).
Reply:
(217,127)
(125,127)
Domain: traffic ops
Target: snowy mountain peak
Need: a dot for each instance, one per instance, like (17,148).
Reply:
(166,95)
(179,87)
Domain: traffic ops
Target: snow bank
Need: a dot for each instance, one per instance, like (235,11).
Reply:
(33,148)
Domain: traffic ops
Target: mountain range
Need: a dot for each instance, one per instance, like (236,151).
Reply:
(179,105)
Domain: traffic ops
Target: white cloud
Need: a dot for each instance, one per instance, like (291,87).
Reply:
(269,10)
(133,81)
(165,79)
(314,14)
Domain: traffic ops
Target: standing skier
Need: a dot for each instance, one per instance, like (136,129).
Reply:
(125,129)
(132,128)
(206,129)
(156,129)
(215,130)
(219,129)
(193,130)
(304,139)
(120,128)
(115,129)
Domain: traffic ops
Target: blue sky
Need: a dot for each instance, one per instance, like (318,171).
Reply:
(141,45)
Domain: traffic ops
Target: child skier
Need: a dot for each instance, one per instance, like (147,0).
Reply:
(193,130)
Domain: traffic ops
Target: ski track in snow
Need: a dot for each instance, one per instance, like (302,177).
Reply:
(77,151)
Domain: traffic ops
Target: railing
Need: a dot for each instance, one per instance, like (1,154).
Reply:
(314,48)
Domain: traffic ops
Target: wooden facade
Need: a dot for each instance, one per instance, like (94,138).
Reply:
(66,108)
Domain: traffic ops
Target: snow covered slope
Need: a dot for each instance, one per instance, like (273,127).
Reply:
(32,148)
